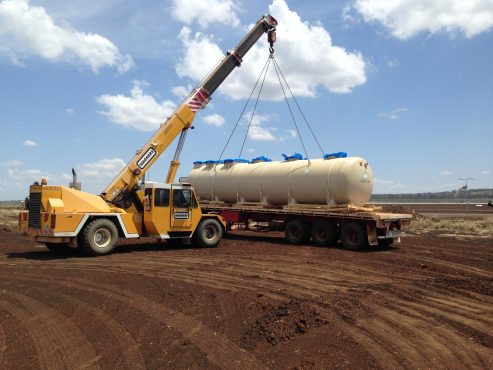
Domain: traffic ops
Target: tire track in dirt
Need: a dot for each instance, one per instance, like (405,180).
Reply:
(128,347)
(218,348)
(445,333)
(477,318)
(482,306)
(456,266)
(54,336)
(430,343)
(402,310)
(237,277)
(324,279)
(296,291)
(386,355)
(3,343)
(234,274)
(412,329)
(453,316)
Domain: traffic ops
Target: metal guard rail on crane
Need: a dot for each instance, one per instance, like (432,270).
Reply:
(121,191)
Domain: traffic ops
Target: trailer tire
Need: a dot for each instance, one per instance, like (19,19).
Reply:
(325,233)
(208,234)
(297,231)
(354,236)
(98,237)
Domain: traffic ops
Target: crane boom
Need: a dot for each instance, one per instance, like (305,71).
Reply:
(121,190)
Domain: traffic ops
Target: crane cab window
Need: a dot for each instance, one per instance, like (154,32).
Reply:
(195,204)
(182,198)
(161,197)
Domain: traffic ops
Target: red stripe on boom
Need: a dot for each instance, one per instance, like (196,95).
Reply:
(198,100)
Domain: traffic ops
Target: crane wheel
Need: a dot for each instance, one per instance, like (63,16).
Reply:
(325,233)
(297,231)
(354,236)
(98,237)
(208,234)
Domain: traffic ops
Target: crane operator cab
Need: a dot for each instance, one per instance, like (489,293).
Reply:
(171,212)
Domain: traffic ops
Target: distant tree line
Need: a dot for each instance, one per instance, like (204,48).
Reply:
(454,194)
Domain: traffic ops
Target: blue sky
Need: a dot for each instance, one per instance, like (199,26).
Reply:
(407,85)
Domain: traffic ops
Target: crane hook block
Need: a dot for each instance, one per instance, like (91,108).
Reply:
(271,37)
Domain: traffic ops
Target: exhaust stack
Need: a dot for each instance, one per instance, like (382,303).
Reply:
(74,184)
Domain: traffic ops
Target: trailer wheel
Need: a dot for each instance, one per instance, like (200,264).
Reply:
(297,231)
(325,233)
(208,234)
(354,236)
(98,237)
(57,247)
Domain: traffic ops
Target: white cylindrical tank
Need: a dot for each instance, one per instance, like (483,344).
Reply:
(318,181)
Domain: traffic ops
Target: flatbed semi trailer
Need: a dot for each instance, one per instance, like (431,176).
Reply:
(355,227)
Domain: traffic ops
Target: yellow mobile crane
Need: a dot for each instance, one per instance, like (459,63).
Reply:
(60,216)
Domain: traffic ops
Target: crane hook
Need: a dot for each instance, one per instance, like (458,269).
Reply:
(271,38)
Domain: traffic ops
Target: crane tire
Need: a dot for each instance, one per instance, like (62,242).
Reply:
(325,233)
(208,234)
(297,231)
(354,236)
(98,237)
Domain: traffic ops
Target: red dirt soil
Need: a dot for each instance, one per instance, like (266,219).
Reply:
(253,302)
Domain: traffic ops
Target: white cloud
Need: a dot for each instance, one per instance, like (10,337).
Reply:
(200,54)
(182,91)
(445,173)
(93,175)
(29,143)
(260,133)
(392,114)
(304,51)
(406,18)
(214,120)
(485,172)
(292,133)
(11,163)
(19,178)
(206,12)
(256,131)
(27,31)
(347,15)
(138,110)
(393,63)
(104,169)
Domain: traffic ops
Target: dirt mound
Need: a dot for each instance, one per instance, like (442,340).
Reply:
(397,208)
(284,322)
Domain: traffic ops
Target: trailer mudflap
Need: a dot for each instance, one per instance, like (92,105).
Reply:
(371,229)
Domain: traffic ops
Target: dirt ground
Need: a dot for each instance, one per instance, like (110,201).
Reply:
(251,303)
